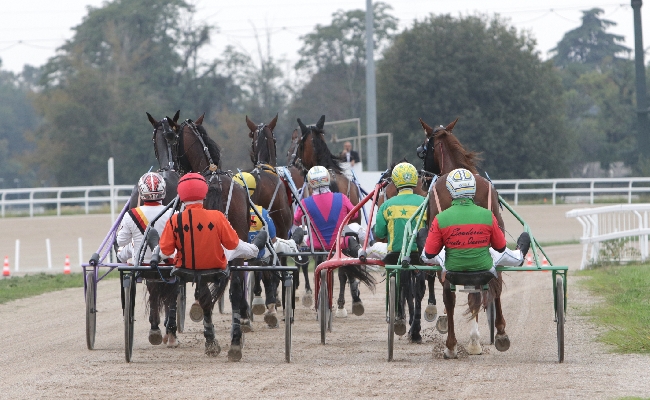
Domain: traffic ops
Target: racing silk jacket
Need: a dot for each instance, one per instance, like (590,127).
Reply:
(393,215)
(256,226)
(466,231)
(135,222)
(326,211)
(200,237)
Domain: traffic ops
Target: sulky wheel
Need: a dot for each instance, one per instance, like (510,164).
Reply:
(129,302)
(181,307)
(491,318)
(323,309)
(91,312)
(288,316)
(559,316)
(250,295)
(222,300)
(392,289)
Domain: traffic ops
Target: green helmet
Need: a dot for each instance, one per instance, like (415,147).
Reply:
(405,175)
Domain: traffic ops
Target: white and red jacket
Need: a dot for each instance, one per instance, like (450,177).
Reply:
(135,222)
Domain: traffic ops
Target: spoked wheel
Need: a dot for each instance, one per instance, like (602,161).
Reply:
(181,307)
(129,302)
(392,288)
(323,307)
(91,312)
(559,316)
(288,316)
(221,302)
(250,285)
(491,318)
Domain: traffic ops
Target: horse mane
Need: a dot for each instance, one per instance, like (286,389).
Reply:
(461,157)
(324,156)
(213,147)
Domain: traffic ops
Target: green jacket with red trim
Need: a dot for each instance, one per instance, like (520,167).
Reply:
(466,231)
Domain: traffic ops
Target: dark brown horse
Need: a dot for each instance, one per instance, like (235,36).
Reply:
(296,173)
(312,150)
(197,152)
(445,153)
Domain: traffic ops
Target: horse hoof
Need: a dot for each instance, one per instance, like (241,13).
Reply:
(165,338)
(234,354)
(245,325)
(502,342)
(271,319)
(400,327)
(450,354)
(196,313)
(474,349)
(155,337)
(415,338)
(430,313)
(341,313)
(357,308)
(172,341)
(258,305)
(212,348)
(307,299)
(278,302)
(442,326)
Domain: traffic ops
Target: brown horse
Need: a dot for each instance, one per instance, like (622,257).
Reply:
(296,173)
(197,152)
(312,150)
(445,153)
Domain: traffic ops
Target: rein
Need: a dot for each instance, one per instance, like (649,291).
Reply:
(211,166)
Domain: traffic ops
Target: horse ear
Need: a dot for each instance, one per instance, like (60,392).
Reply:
(152,120)
(426,127)
(251,125)
(303,128)
(450,127)
(274,121)
(199,120)
(172,123)
(321,123)
(176,116)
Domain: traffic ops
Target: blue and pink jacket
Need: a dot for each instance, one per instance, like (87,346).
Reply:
(326,211)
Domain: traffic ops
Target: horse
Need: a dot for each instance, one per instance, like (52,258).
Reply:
(271,193)
(296,174)
(312,150)
(442,152)
(194,151)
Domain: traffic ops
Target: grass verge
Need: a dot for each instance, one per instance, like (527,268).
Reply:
(32,285)
(626,310)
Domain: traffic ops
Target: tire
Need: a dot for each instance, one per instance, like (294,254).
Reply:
(323,306)
(491,318)
(250,285)
(181,307)
(91,312)
(129,294)
(288,316)
(392,292)
(559,316)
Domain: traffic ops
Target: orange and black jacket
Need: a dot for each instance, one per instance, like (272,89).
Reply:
(198,234)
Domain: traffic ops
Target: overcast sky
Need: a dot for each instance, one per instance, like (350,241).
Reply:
(31,30)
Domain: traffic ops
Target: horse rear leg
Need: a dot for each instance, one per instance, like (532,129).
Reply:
(258,305)
(270,286)
(449,299)
(238,302)
(501,339)
(357,304)
(474,301)
(431,312)
(155,335)
(419,286)
(341,312)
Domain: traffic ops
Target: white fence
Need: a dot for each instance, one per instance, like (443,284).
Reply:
(625,226)
(37,200)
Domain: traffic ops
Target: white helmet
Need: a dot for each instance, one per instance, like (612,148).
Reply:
(318,177)
(461,183)
(151,186)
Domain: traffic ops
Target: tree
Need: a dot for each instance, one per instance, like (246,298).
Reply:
(589,44)
(487,74)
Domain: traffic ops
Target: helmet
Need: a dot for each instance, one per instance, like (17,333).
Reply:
(318,176)
(461,183)
(405,175)
(248,178)
(151,186)
(192,187)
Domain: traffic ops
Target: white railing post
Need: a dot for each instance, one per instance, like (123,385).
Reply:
(111,183)
(31,204)
(629,193)
(591,192)
(48,250)
(58,203)
(554,186)
(517,193)
(17,256)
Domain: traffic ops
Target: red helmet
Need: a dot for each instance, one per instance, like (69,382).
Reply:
(192,187)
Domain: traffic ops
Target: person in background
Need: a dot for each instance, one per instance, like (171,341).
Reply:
(349,155)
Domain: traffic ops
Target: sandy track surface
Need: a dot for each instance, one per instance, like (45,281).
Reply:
(45,353)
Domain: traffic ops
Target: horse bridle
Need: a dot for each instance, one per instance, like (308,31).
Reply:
(297,161)
(212,167)
(423,149)
(168,131)
(255,139)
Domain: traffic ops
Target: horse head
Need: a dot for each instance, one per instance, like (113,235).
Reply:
(263,148)
(442,151)
(312,149)
(164,141)
(293,148)
(197,151)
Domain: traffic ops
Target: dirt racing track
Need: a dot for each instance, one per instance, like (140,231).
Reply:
(45,354)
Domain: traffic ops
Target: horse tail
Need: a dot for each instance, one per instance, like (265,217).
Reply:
(213,200)
(211,292)
(159,295)
(473,305)
(361,273)
(494,290)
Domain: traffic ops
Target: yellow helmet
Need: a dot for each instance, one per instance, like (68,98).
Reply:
(405,175)
(248,178)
